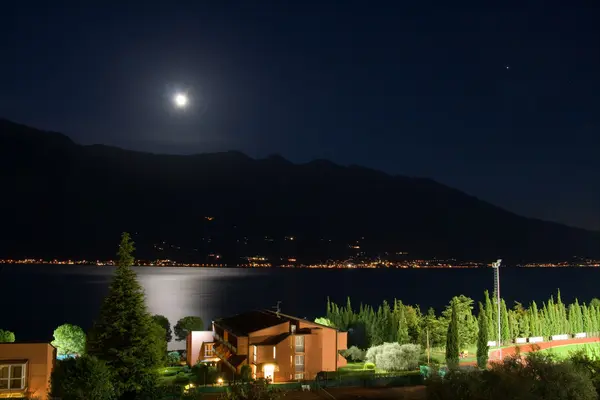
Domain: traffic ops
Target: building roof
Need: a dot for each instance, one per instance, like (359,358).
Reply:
(251,321)
(272,340)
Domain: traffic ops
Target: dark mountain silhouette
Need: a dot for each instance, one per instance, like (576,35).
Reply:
(61,199)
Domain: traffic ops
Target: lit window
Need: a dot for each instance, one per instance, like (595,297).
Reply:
(299,341)
(274,352)
(254,354)
(299,376)
(209,350)
(12,376)
(299,363)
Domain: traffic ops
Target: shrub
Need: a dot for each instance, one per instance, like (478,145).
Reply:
(535,377)
(255,390)
(354,354)
(246,373)
(182,378)
(394,357)
(173,358)
(589,361)
(83,378)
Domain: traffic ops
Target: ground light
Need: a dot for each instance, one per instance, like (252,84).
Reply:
(220,381)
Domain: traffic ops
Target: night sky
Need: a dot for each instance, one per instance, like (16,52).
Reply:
(503,103)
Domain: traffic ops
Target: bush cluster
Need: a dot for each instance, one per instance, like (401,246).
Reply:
(394,356)
(536,376)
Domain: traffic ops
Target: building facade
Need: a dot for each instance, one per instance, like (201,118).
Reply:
(200,348)
(25,369)
(275,346)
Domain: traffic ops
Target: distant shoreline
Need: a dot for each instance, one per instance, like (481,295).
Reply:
(416,264)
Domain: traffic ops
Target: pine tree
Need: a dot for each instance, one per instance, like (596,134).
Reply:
(482,338)
(452,345)
(124,335)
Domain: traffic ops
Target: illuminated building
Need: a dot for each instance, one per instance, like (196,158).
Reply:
(276,346)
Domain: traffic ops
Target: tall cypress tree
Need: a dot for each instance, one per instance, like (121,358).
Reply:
(489,313)
(124,335)
(578,318)
(585,316)
(504,321)
(534,321)
(452,344)
(482,339)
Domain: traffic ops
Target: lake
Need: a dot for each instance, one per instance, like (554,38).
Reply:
(38,298)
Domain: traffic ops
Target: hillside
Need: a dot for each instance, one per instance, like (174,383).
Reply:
(61,199)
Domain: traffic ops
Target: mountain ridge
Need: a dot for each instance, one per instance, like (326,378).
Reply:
(60,187)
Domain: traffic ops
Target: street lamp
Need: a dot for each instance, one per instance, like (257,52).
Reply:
(496,267)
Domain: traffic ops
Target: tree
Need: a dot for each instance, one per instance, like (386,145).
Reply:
(354,354)
(166,325)
(69,339)
(82,378)
(124,335)
(324,321)
(505,324)
(482,339)
(6,336)
(489,313)
(246,373)
(467,323)
(186,325)
(433,329)
(174,357)
(452,344)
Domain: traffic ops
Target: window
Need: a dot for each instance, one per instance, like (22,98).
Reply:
(12,376)
(293,327)
(254,354)
(299,344)
(209,350)
(299,363)
(274,352)
(299,376)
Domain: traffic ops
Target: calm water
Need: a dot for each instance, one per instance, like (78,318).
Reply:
(39,298)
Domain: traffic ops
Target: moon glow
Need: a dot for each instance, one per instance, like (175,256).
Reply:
(180,100)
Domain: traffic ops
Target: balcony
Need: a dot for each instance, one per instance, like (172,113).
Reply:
(224,342)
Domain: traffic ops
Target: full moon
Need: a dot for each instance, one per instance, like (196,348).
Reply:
(181,100)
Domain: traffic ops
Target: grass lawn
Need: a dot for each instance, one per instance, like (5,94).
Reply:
(167,374)
(591,349)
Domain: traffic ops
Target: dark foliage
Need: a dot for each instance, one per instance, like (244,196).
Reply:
(82,378)
(536,377)
(165,324)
